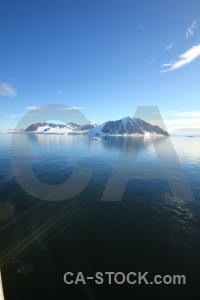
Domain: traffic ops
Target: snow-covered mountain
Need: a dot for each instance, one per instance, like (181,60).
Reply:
(147,127)
(51,128)
(126,126)
(120,127)
(58,128)
(91,124)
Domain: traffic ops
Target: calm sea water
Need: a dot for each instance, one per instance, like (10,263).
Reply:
(149,230)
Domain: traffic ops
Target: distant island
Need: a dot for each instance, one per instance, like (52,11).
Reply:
(124,126)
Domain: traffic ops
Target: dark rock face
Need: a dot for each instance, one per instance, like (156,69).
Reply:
(55,125)
(87,127)
(121,127)
(73,125)
(159,130)
(149,128)
(34,127)
(130,126)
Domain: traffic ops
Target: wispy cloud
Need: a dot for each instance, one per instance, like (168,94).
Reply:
(183,114)
(168,47)
(152,61)
(183,122)
(59,108)
(188,130)
(70,108)
(170,112)
(190,30)
(184,59)
(7,90)
(17,115)
(194,113)
(59,92)
(35,107)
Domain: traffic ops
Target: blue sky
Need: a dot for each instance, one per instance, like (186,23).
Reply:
(105,57)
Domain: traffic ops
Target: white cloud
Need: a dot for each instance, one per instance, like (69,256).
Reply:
(184,59)
(194,113)
(35,107)
(69,108)
(190,30)
(194,131)
(7,90)
(169,47)
(14,115)
(179,114)
(184,122)
(187,122)
(170,112)
(60,108)
(17,115)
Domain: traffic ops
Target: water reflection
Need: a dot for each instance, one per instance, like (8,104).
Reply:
(149,227)
(139,157)
(187,148)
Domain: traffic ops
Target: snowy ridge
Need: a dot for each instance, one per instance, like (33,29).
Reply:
(46,128)
(91,124)
(127,126)
(124,126)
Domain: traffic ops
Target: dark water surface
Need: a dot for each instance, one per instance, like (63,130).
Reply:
(149,230)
